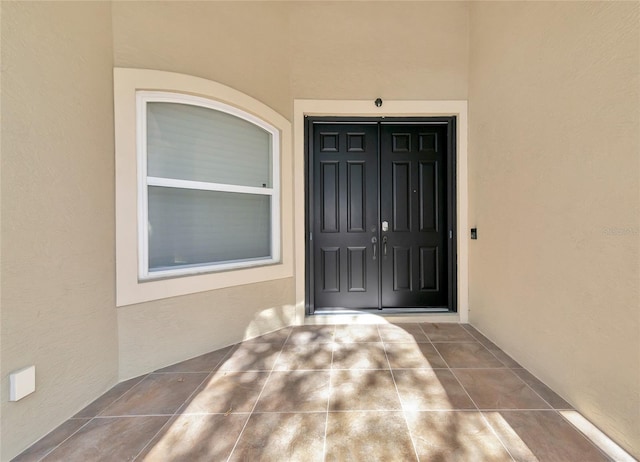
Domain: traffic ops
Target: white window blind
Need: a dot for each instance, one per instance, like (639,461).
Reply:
(209,193)
(200,144)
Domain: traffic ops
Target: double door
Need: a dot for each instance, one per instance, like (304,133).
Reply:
(381,214)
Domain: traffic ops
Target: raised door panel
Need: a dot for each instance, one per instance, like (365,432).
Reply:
(356,196)
(401,201)
(330,197)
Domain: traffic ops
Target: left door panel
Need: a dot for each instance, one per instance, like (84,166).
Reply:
(345,215)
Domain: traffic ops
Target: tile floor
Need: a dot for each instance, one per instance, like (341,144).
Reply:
(405,392)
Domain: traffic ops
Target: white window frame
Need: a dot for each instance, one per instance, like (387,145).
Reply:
(131,288)
(144,181)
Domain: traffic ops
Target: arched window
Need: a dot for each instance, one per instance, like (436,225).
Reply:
(208,187)
(203,187)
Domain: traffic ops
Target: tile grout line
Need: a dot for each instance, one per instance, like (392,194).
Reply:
(404,414)
(526,370)
(585,436)
(175,413)
(498,359)
(259,395)
(474,403)
(520,378)
(326,418)
(89,418)
(170,417)
(146,376)
(65,440)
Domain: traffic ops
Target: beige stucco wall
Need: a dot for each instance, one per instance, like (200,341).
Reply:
(275,51)
(554,179)
(58,300)
(554,168)
(240,44)
(392,50)
(243,45)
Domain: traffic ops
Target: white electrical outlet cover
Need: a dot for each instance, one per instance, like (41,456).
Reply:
(22,383)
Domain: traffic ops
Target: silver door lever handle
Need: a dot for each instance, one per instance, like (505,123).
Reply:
(374,241)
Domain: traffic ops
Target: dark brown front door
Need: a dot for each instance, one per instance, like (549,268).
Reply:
(381,226)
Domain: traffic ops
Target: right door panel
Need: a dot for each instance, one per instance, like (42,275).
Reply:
(413,201)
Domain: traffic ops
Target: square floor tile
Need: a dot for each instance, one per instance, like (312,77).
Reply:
(280,437)
(363,390)
(478,336)
(544,391)
(357,333)
(295,391)
(50,441)
(203,363)
(309,335)
(109,397)
(413,355)
(292,376)
(368,436)
(542,435)
(251,357)
(459,355)
(156,394)
(226,392)
(454,436)
(402,333)
(498,389)
(430,389)
(310,356)
(504,358)
(443,332)
(195,438)
(359,356)
(109,439)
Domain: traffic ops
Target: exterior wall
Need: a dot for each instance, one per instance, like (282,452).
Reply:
(392,50)
(164,332)
(58,301)
(240,44)
(273,51)
(554,168)
(243,45)
(553,91)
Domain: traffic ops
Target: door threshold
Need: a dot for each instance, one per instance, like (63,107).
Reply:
(395,315)
(382,312)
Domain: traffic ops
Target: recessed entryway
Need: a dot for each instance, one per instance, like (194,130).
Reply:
(304,108)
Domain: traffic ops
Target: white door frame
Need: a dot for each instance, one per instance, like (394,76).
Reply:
(358,108)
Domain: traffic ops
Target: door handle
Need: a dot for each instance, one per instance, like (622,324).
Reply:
(374,241)
(384,246)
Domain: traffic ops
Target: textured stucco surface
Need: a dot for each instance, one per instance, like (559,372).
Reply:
(554,169)
(274,52)
(156,334)
(392,50)
(553,94)
(58,301)
(244,45)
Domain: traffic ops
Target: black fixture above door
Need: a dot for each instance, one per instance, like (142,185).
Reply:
(381,214)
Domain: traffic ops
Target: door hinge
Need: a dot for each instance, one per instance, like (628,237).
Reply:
(450,234)
(311,236)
